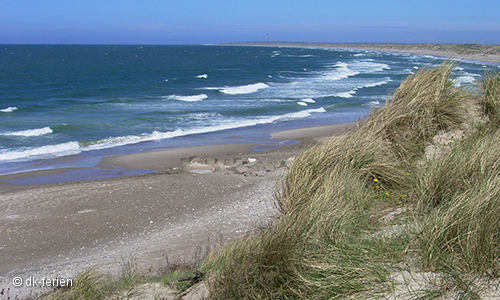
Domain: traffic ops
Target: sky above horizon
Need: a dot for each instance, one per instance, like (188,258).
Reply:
(218,21)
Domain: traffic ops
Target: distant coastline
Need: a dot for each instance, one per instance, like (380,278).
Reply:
(474,52)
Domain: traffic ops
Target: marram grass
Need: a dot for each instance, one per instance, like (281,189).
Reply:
(325,244)
(91,285)
(490,99)
(425,104)
(460,192)
(88,285)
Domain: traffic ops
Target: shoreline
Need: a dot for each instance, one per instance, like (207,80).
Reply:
(438,50)
(150,220)
(152,161)
(119,168)
(170,160)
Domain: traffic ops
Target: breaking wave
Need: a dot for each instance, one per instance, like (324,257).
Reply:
(71,148)
(29,132)
(244,89)
(193,98)
(9,109)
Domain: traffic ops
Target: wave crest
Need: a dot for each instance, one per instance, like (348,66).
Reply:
(341,71)
(68,148)
(244,89)
(71,148)
(192,98)
(30,132)
(9,109)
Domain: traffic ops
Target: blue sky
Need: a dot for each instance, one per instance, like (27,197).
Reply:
(216,21)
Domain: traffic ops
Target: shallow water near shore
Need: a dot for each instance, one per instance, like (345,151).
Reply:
(97,101)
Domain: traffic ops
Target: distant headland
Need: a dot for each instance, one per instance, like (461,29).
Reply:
(476,52)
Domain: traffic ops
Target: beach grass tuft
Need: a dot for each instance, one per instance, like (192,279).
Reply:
(332,240)
(87,285)
(92,285)
(460,195)
(490,100)
(425,104)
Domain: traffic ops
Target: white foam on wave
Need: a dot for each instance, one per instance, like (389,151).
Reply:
(344,70)
(202,76)
(352,92)
(302,103)
(193,98)
(9,109)
(244,89)
(463,80)
(69,148)
(308,100)
(199,116)
(300,114)
(368,67)
(30,132)
(378,83)
(304,55)
(341,71)
(224,125)
(72,148)
(372,103)
(346,94)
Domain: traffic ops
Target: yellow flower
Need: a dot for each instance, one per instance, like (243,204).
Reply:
(375,179)
(377,187)
(387,194)
(408,174)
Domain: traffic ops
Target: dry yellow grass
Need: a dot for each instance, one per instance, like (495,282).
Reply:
(325,245)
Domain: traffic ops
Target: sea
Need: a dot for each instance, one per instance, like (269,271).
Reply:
(86,102)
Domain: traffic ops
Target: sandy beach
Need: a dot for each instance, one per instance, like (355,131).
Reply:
(493,57)
(200,197)
(455,51)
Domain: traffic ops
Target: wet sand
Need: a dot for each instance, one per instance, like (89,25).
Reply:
(201,197)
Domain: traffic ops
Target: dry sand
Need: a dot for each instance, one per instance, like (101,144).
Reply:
(439,50)
(61,229)
(428,50)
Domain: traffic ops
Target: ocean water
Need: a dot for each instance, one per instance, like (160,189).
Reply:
(98,100)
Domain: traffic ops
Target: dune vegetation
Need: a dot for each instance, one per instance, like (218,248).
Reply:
(404,207)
